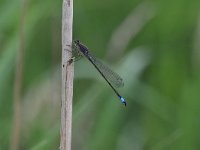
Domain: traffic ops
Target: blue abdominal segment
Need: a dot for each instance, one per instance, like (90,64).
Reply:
(122,100)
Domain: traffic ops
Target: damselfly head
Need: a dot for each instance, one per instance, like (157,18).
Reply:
(76,41)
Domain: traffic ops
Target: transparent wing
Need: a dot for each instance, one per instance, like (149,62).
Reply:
(76,53)
(113,77)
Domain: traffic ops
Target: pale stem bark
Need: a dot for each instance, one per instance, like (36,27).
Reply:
(67,76)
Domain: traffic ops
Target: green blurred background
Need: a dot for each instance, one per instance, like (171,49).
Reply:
(154,46)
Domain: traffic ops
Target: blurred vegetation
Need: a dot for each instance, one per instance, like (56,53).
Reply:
(155,47)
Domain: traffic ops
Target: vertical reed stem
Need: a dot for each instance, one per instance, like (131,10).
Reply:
(16,124)
(67,76)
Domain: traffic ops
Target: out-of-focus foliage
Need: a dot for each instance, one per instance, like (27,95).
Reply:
(154,46)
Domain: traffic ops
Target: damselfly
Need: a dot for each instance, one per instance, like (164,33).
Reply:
(111,77)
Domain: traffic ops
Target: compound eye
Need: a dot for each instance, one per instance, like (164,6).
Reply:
(77,41)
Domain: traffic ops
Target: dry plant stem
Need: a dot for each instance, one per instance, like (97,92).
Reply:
(16,125)
(67,76)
